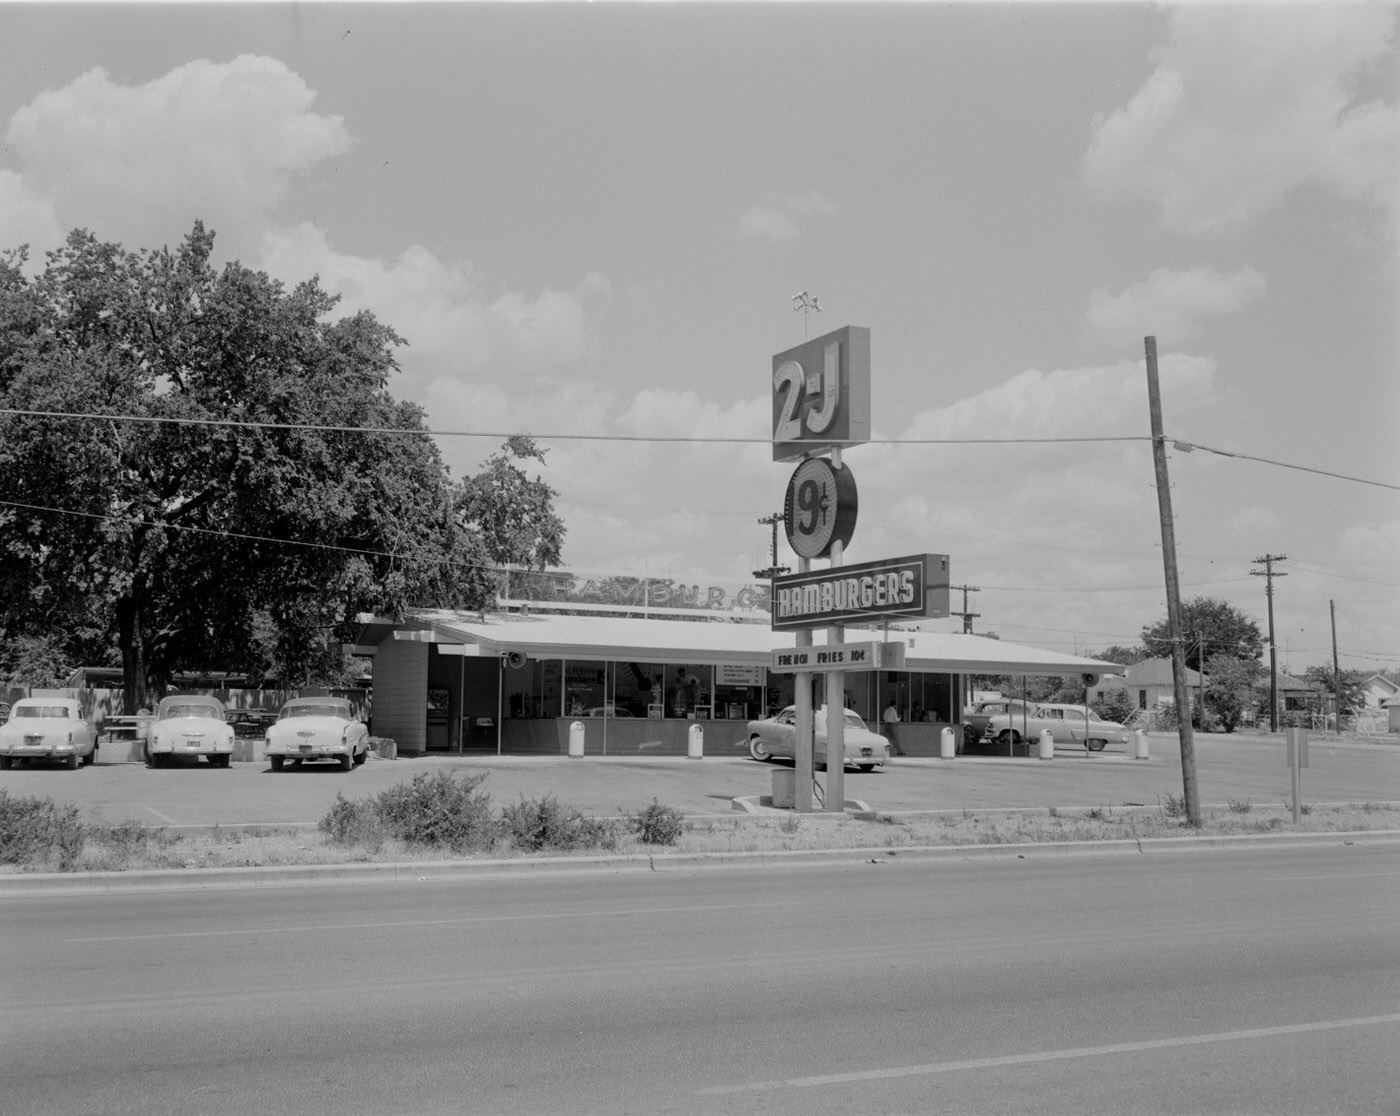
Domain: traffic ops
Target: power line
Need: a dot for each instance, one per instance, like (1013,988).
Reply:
(683,439)
(505,435)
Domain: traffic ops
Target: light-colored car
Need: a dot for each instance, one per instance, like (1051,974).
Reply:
(776,737)
(192,725)
(317,728)
(1068,724)
(977,718)
(48,729)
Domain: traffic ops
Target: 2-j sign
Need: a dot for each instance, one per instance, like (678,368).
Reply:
(839,656)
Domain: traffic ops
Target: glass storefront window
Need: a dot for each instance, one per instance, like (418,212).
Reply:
(638,689)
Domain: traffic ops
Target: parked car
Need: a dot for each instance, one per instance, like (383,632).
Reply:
(48,729)
(317,728)
(192,725)
(777,736)
(977,719)
(1068,724)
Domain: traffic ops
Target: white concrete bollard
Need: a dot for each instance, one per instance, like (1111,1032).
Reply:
(576,739)
(1047,744)
(947,744)
(695,745)
(1139,744)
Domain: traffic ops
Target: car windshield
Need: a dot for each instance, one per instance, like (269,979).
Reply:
(189,709)
(37,711)
(330,709)
(853,720)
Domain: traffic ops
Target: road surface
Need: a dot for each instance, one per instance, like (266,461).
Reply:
(1265,981)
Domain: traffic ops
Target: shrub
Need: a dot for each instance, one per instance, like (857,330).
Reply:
(1240,806)
(658,824)
(535,824)
(353,823)
(1175,806)
(38,833)
(440,811)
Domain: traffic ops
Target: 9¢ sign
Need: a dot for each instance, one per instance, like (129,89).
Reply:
(820,509)
(821,394)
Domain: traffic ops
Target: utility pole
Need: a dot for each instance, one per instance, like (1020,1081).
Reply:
(1190,792)
(1268,573)
(773,569)
(967,616)
(1336,670)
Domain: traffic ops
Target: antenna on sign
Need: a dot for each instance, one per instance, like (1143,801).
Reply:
(808,304)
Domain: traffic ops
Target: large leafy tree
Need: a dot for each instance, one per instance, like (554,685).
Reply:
(202,469)
(1231,688)
(1209,628)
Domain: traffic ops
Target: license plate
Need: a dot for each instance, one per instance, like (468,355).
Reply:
(33,741)
(306,747)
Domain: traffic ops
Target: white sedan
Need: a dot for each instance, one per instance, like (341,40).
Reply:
(190,726)
(1068,724)
(317,728)
(777,736)
(48,729)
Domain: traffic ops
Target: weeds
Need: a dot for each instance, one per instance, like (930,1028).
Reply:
(38,833)
(658,824)
(537,824)
(790,824)
(1174,806)
(1238,806)
(439,811)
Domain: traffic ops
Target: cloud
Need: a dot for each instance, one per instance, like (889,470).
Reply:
(1171,305)
(219,141)
(452,327)
(26,218)
(782,219)
(1249,103)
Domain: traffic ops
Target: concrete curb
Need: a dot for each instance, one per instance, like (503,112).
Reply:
(440,871)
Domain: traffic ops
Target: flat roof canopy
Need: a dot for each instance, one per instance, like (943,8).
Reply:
(605,638)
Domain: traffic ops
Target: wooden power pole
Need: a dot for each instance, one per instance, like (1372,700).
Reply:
(1191,793)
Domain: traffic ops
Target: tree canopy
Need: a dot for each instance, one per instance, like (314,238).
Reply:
(1209,628)
(200,469)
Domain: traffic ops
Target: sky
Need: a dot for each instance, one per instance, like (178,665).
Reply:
(589,223)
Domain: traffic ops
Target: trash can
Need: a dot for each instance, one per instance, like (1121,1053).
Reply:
(1047,745)
(1139,744)
(576,739)
(695,745)
(947,743)
(785,788)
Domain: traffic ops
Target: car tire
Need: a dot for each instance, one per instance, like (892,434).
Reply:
(1008,736)
(360,757)
(759,750)
(276,762)
(346,762)
(74,761)
(867,768)
(91,757)
(6,762)
(1095,745)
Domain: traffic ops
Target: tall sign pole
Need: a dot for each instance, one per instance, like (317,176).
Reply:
(1174,631)
(1268,574)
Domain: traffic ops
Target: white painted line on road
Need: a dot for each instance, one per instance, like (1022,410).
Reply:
(628,912)
(1050,1055)
(162,817)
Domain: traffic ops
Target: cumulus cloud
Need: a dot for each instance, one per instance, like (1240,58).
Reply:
(219,141)
(1171,305)
(440,309)
(1249,103)
(783,218)
(26,218)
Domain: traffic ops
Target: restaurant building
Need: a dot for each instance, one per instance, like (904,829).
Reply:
(516,682)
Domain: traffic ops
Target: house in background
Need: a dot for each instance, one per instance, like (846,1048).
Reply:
(1378,690)
(1148,684)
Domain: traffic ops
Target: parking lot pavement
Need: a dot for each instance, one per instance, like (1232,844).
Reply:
(1228,769)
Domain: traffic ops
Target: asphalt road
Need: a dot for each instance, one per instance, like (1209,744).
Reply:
(1229,768)
(1206,982)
